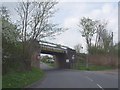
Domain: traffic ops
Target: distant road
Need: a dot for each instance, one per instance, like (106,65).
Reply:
(76,79)
(44,66)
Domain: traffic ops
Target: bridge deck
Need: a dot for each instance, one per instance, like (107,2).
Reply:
(51,48)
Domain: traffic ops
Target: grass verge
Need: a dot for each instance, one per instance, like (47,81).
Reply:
(95,68)
(21,79)
(51,64)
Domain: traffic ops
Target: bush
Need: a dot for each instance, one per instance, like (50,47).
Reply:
(96,50)
(12,58)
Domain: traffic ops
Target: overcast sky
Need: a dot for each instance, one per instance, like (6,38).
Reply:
(71,12)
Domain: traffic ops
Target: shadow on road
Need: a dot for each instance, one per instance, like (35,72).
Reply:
(48,68)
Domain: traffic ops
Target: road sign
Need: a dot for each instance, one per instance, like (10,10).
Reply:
(73,57)
(67,60)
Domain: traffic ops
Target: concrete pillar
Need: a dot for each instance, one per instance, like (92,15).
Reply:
(61,61)
(71,55)
(35,60)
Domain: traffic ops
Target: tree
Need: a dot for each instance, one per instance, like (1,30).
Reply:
(100,27)
(35,24)
(9,31)
(78,48)
(103,38)
(118,49)
(88,29)
(10,37)
(4,13)
(35,20)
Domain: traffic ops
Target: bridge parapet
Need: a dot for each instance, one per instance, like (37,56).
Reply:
(47,46)
(51,48)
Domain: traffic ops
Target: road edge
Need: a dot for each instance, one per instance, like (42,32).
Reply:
(34,83)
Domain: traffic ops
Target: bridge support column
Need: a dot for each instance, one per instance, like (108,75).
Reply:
(71,55)
(61,61)
(35,60)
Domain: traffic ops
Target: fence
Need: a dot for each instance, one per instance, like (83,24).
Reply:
(96,61)
(105,60)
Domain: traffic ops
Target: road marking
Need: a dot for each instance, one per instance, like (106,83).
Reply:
(89,78)
(100,86)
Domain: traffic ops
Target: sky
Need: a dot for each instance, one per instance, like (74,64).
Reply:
(69,15)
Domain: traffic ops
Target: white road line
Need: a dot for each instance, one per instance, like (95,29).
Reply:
(89,78)
(92,81)
(100,86)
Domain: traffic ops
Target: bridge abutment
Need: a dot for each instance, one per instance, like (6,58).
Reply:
(35,60)
(61,61)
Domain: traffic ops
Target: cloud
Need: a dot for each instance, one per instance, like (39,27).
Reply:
(88,0)
(70,13)
(109,13)
(71,22)
(75,11)
(70,38)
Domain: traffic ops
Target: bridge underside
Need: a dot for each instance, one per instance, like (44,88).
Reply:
(60,59)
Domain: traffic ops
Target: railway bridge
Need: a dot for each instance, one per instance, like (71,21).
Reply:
(64,56)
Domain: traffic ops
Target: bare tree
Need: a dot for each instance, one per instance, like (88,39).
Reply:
(23,12)
(100,28)
(35,20)
(103,38)
(35,24)
(40,24)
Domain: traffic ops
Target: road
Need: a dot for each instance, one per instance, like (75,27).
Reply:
(76,79)
(45,67)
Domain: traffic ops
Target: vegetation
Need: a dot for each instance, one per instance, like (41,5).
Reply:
(81,64)
(88,29)
(11,48)
(51,64)
(48,60)
(21,79)
(34,24)
(19,40)
(96,28)
(95,68)
(103,44)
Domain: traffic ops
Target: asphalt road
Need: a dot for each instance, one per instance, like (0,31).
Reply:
(45,67)
(56,78)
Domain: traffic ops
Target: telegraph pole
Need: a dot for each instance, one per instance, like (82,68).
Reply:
(112,39)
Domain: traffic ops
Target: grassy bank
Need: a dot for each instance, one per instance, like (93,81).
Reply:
(94,68)
(21,79)
(51,64)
